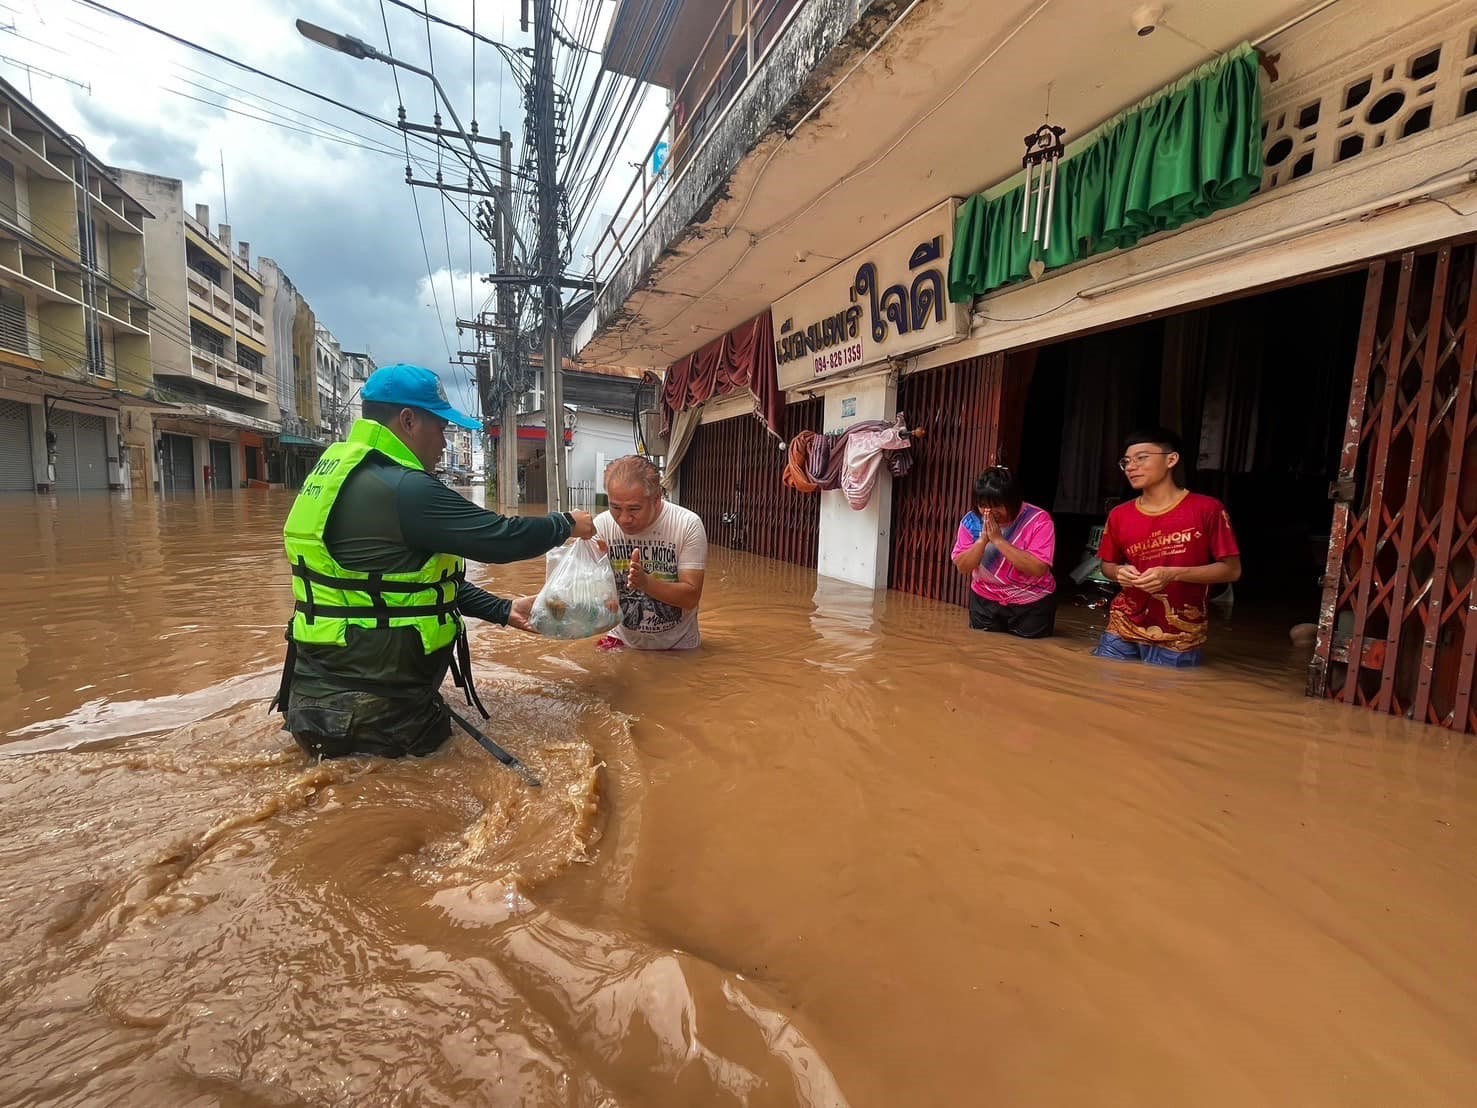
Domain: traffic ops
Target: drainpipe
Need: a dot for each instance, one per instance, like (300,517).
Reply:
(88,252)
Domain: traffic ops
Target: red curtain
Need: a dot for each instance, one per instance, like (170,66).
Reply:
(741,359)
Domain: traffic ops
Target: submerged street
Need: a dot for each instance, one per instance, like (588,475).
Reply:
(845,853)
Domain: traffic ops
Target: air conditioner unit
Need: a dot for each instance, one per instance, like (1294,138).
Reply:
(651,431)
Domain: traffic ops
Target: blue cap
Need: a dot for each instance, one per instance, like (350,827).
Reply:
(411,386)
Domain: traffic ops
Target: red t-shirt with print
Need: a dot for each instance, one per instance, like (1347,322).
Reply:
(1195,532)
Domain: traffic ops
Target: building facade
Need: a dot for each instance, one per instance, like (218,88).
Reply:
(357,367)
(76,378)
(456,462)
(332,382)
(292,335)
(215,366)
(1294,294)
(600,403)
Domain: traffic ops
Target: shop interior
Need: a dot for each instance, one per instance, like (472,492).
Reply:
(1258,389)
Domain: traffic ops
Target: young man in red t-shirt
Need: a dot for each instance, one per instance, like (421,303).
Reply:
(1165,550)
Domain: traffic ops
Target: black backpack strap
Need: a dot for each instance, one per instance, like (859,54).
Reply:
(284,686)
(461,670)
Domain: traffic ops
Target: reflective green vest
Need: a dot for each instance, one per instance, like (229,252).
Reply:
(330,599)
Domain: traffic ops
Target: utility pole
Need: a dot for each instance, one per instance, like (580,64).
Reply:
(484,400)
(497,357)
(484,396)
(549,261)
(544,272)
(510,358)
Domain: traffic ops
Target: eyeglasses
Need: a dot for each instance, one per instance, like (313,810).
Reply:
(1140,459)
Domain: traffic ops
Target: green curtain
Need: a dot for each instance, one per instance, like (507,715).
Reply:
(1189,150)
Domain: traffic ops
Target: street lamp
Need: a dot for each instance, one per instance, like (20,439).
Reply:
(358,48)
(344,44)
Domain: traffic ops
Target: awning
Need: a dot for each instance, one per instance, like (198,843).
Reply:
(252,343)
(211,414)
(534,434)
(296,440)
(69,388)
(1189,150)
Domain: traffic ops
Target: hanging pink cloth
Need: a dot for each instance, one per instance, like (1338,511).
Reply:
(865,451)
(850,460)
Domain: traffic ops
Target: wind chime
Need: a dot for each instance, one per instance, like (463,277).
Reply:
(1044,148)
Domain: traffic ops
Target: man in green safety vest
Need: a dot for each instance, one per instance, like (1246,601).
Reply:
(378,549)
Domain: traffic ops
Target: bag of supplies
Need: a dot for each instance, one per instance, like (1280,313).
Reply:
(579,597)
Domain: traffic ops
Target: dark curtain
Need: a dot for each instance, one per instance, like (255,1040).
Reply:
(1234,365)
(1108,378)
(741,359)
(1182,384)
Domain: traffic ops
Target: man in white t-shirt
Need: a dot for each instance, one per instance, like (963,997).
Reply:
(658,551)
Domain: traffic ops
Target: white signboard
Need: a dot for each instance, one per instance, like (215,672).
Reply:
(889,301)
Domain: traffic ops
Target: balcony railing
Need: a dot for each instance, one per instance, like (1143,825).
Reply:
(250,322)
(695,110)
(222,372)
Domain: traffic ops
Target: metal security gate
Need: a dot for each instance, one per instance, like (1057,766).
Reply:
(176,463)
(17,474)
(81,451)
(220,465)
(970,415)
(731,478)
(1397,632)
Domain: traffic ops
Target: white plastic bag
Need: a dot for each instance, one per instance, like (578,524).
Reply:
(579,597)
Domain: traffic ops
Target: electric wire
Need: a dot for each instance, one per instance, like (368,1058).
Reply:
(415,203)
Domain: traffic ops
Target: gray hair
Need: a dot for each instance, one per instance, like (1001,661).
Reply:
(633,469)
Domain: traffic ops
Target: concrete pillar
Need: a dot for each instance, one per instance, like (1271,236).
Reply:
(40,457)
(138,439)
(200,448)
(855,546)
(118,476)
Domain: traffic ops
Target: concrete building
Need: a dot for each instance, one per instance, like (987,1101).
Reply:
(292,336)
(214,363)
(456,463)
(76,380)
(332,381)
(358,367)
(599,426)
(479,460)
(844,222)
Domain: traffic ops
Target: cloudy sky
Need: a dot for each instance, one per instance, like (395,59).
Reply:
(336,216)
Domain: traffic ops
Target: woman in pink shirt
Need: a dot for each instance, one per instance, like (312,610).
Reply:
(1005,547)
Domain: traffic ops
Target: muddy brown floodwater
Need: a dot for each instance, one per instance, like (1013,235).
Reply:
(848,853)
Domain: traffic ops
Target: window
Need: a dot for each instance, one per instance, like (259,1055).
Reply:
(248,359)
(202,265)
(14,328)
(248,298)
(9,206)
(206,339)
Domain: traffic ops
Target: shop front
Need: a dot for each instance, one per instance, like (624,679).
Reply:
(841,338)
